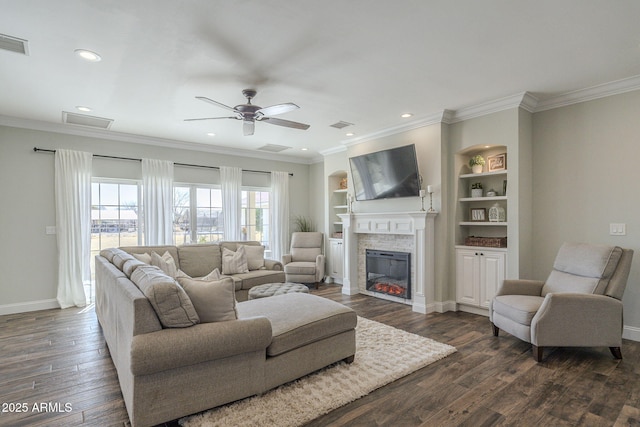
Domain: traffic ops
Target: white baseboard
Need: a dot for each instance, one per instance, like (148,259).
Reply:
(23,307)
(631,333)
(444,306)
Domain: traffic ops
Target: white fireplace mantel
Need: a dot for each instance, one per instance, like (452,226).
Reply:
(418,224)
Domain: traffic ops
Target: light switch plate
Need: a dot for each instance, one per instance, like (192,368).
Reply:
(617,229)
(50,229)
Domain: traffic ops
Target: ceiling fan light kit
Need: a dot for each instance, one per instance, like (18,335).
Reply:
(250,113)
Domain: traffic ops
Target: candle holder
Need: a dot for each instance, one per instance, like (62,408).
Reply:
(422,199)
(430,191)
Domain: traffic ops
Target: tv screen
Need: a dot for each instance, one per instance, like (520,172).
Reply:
(386,174)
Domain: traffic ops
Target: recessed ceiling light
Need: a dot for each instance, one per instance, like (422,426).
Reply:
(304,149)
(81,108)
(406,115)
(211,134)
(349,133)
(88,55)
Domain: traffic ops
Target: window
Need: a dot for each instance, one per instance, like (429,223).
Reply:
(114,218)
(255,216)
(197,214)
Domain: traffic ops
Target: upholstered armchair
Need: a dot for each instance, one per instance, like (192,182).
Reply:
(305,262)
(579,305)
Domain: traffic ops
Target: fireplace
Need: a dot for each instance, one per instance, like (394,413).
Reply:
(389,273)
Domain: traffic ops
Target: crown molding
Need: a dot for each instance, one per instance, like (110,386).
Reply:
(594,92)
(146,140)
(524,100)
(431,119)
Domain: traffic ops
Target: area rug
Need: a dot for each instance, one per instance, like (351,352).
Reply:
(303,400)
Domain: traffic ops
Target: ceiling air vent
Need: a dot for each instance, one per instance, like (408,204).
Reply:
(341,125)
(14,44)
(88,121)
(273,148)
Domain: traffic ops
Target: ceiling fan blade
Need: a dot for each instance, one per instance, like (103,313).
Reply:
(248,127)
(211,101)
(210,118)
(277,109)
(286,123)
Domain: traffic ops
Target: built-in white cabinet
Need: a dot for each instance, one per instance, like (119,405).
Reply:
(336,260)
(479,273)
(337,204)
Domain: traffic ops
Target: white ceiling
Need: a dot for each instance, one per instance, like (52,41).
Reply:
(360,61)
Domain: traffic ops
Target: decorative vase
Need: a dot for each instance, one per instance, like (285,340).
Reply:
(476,168)
(497,213)
(476,192)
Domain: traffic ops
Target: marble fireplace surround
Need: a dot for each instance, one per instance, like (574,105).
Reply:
(402,231)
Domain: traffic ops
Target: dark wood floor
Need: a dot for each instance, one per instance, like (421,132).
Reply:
(55,370)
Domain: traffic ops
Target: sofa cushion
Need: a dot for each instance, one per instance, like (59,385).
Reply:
(298,319)
(257,277)
(255,256)
(169,300)
(214,300)
(120,258)
(301,267)
(146,258)
(234,262)
(199,260)
(130,265)
(582,268)
(519,308)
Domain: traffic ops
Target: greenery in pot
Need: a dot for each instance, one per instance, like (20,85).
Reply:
(301,223)
(476,186)
(476,160)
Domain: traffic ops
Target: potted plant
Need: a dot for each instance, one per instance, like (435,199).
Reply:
(476,163)
(476,189)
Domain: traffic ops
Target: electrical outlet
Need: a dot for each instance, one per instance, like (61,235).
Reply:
(50,229)
(617,229)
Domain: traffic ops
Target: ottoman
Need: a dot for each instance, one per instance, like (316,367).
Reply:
(271,289)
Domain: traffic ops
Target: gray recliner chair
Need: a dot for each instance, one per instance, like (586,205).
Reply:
(305,262)
(579,305)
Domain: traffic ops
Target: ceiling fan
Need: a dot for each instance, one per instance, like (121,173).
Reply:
(250,113)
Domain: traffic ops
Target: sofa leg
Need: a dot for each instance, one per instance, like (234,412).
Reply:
(350,359)
(616,351)
(496,330)
(537,352)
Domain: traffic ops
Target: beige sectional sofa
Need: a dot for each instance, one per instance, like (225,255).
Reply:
(170,364)
(200,260)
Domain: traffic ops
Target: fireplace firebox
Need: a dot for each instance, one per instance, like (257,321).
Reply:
(389,273)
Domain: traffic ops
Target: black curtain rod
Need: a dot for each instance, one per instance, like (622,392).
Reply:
(45,150)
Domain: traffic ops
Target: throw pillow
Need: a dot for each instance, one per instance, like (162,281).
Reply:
(255,256)
(214,300)
(170,302)
(165,263)
(146,258)
(214,275)
(234,262)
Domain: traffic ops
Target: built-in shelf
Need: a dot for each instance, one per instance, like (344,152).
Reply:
(480,175)
(482,199)
(340,190)
(484,223)
(340,207)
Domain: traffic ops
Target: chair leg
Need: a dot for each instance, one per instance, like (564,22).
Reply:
(496,330)
(616,351)
(537,352)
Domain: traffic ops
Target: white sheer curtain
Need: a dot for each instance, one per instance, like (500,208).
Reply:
(157,188)
(279,214)
(231,178)
(73,225)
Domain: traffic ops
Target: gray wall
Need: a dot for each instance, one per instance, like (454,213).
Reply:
(584,171)
(28,256)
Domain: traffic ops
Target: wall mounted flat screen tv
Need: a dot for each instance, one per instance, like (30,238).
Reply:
(386,174)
